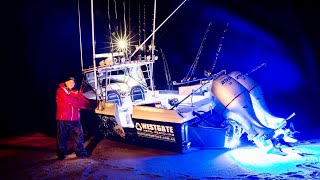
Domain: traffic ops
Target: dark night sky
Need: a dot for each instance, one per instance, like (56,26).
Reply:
(41,48)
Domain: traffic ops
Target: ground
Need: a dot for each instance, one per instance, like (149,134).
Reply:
(32,156)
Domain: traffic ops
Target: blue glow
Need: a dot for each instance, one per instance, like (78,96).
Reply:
(246,45)
(232,143)
(255,160)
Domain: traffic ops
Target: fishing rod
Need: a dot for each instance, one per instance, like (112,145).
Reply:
(166,70)
(256,68)
(219,48)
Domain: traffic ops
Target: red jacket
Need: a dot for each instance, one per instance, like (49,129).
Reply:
(69,103)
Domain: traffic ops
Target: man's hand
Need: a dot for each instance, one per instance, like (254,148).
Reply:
(74,93)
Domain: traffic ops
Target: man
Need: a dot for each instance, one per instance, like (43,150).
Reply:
(69,102)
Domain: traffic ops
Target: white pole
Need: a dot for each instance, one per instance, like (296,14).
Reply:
(79,20)
(152,45)
(93,49)
(154,24)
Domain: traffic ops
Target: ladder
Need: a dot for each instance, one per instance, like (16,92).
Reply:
(148,75)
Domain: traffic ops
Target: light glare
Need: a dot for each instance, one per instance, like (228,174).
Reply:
(122,44)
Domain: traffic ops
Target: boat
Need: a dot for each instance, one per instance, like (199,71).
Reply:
(211,112)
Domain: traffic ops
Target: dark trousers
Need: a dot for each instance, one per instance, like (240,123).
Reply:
(72,130)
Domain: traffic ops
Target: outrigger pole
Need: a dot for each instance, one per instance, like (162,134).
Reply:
(152,43)
(81,57)
(93,50)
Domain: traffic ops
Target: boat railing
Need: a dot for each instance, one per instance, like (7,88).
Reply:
(118,65)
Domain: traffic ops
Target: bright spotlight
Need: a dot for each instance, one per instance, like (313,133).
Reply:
(122,44)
